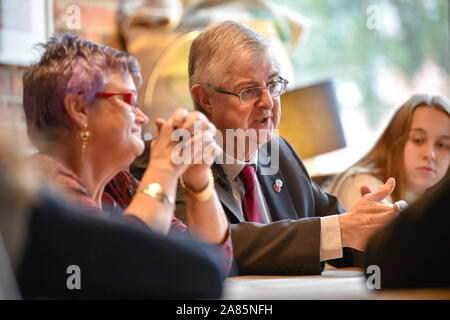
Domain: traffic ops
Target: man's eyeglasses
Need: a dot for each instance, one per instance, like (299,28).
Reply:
(127,97)
(250,95)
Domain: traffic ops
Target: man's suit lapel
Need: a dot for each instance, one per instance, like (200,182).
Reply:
(280,203)
(225,193)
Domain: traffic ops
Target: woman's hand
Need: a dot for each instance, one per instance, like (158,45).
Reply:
(162,154)
(169,159)
(204,151)
(186,145)
(206,219)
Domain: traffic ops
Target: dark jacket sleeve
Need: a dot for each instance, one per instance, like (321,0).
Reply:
(118,260)
(324,204)
(286,247)
(291,244)
(413,250)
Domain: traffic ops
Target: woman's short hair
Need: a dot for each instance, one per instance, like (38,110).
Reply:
(385,159)
(68,65)
(215,49)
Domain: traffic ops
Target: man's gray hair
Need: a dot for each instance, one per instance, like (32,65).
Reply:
(215,49)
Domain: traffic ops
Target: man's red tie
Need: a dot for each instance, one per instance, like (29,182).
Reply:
(247,176)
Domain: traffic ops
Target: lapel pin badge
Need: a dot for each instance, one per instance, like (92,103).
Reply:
(277,186)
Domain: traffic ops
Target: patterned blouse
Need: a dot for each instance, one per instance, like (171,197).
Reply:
(116,196)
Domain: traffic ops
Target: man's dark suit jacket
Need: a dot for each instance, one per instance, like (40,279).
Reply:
(290,245)
(414,249)
(118,259)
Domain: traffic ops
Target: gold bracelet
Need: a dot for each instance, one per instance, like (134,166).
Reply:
(203,195)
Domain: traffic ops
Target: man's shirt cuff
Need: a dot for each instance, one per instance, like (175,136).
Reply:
(330,238)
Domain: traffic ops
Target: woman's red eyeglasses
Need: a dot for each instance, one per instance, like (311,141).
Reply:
(127,97)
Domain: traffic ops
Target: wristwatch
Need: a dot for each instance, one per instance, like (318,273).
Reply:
(156,191)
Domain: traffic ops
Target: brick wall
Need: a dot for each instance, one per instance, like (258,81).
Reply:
(98,22)
(12,119)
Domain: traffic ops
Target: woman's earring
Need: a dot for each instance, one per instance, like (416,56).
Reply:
(85,135)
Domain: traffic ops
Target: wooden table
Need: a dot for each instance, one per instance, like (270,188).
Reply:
(333,284)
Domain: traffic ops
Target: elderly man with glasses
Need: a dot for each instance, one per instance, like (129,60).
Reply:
(282,222)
